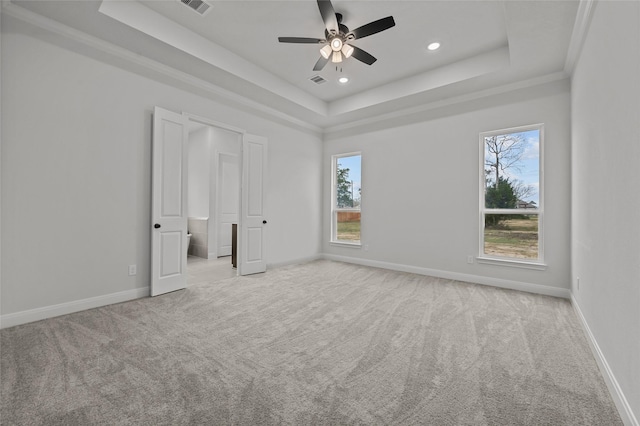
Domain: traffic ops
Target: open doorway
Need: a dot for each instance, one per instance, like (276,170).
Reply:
(169,201)
(213,200)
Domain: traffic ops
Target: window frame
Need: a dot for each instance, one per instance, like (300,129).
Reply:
(334,201)
(484,258)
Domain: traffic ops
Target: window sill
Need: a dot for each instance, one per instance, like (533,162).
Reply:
(512,263)
(345,244)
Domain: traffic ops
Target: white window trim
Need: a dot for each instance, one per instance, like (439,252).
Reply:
(511,262)
(483,258)
(334,208)
(345,244)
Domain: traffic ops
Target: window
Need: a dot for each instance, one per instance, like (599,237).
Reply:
(346,196)
(511,195)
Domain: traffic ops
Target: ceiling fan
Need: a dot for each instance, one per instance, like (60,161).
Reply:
(338,37)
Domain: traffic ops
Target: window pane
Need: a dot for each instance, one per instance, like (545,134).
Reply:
(512,170)
(511,235)
(348,182)
(348,226)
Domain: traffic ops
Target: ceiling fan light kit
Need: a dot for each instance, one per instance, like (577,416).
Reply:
(326,51)
(338,37)
(347,50)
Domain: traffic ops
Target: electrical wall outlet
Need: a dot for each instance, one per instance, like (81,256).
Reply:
(470,259)
(366,247)
(133,269)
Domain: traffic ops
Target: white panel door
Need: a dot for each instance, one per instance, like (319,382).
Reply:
(169,201)
(228,200)
(252,257)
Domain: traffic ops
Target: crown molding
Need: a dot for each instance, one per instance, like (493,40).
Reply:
(218,92)
(445,75)
(141,18)
(246,104)
(467,97)
(579,34)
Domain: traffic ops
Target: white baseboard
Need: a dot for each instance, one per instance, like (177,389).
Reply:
(17,318)
(24,317)
(476,279)
(628,418)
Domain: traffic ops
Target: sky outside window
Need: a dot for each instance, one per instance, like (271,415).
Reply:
(526,170)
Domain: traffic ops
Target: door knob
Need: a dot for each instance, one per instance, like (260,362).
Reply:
(264,221)
(157,225)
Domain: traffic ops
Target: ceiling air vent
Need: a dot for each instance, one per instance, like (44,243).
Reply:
(317,79)
(197,5)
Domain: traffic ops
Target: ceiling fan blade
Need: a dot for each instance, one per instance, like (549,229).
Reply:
(300,40)
(320,64)
(374,27)
(328,15)
(362,56)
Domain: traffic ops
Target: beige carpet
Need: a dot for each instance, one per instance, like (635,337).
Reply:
(318,343)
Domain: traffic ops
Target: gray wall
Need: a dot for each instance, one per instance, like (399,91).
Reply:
(606,189)
(76,165)
(198,173)
(420,190)
(76,181)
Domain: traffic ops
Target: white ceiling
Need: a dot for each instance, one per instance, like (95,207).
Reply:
(485,44)
(251,29)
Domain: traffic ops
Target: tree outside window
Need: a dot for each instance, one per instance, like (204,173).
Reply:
(347,192)
(511,193)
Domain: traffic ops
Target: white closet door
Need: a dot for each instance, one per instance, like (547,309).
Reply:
(169,202)
(228,200)
(252,257)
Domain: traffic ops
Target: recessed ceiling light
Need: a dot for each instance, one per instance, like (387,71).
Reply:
(343,80)
(433,46)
